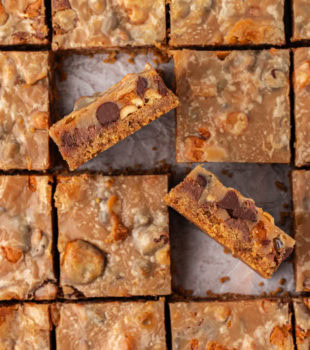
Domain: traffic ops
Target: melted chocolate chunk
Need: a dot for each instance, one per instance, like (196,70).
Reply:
(141,86)
(202,180)
(246,212)
(161,87)
(240,225)
(230,201)
(69,140)
(192,188)
(108,113)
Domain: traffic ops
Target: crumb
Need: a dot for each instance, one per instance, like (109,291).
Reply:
(281,186)
(112,57)
(263,294)
(183,292)
(224,279)
(282,281)
(261,284)
(210,293)
(227,250)
(227,173)
(279,290)
(132,56)
(154,148)
(286,205)
(286,294)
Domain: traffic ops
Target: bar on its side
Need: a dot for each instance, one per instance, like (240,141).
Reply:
(232,220)
(100,121)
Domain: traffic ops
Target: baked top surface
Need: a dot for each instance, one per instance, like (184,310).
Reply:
(302,94)
(23,22)
(253,324)
(228,22)
(25,326)
(120,226)
(112,325)
(301,199)
(26,266)
(110,23)
(24,110)
(302,323)
(301,20)
(234,106)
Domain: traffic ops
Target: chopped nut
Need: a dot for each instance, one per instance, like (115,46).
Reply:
(137,101)
(234,122)
(3,15)
(149,239)
(98,6)
(151,94)
(279,335)
(162,256)
(127,110)
(65,20)
(82,262)
(302,76)
(11,254)
(194,148)
(222,313)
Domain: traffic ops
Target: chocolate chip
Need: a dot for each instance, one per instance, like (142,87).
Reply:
(141,86)
(69,140)
(240,225)
(108,113)
(287,253)
(161,87)
(201,180)
(192,188)
(246,212)
(230,201)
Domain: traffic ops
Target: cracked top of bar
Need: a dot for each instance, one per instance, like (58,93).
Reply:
(251,324)
(234,106)
(113,235)
(24,110)
(26,264)
(113,325)
(102,120)
(301,20)
(25,326)
(302,105)
(227,22)
(301,198)
(95,24)
(232,220)
(302,323)
(22,22)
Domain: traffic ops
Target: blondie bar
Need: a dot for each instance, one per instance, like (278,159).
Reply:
(100,121)
(232,220)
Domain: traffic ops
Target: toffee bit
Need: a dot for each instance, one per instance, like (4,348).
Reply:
(224,279)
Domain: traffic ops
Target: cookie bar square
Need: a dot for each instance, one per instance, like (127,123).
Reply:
(102,120)
(302,105)
(301,200)
(22,22)
(301,20)
(25,326)
(113,235)
(302,323)
(26,263)
(113,325)
(232,220)
(24,110)
(245,324)
(234,106)
(226,22)
(95,24)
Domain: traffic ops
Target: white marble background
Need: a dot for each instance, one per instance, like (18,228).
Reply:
(198,262)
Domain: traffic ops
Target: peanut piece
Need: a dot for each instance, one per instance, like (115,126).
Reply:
(127,110)
(151,94)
